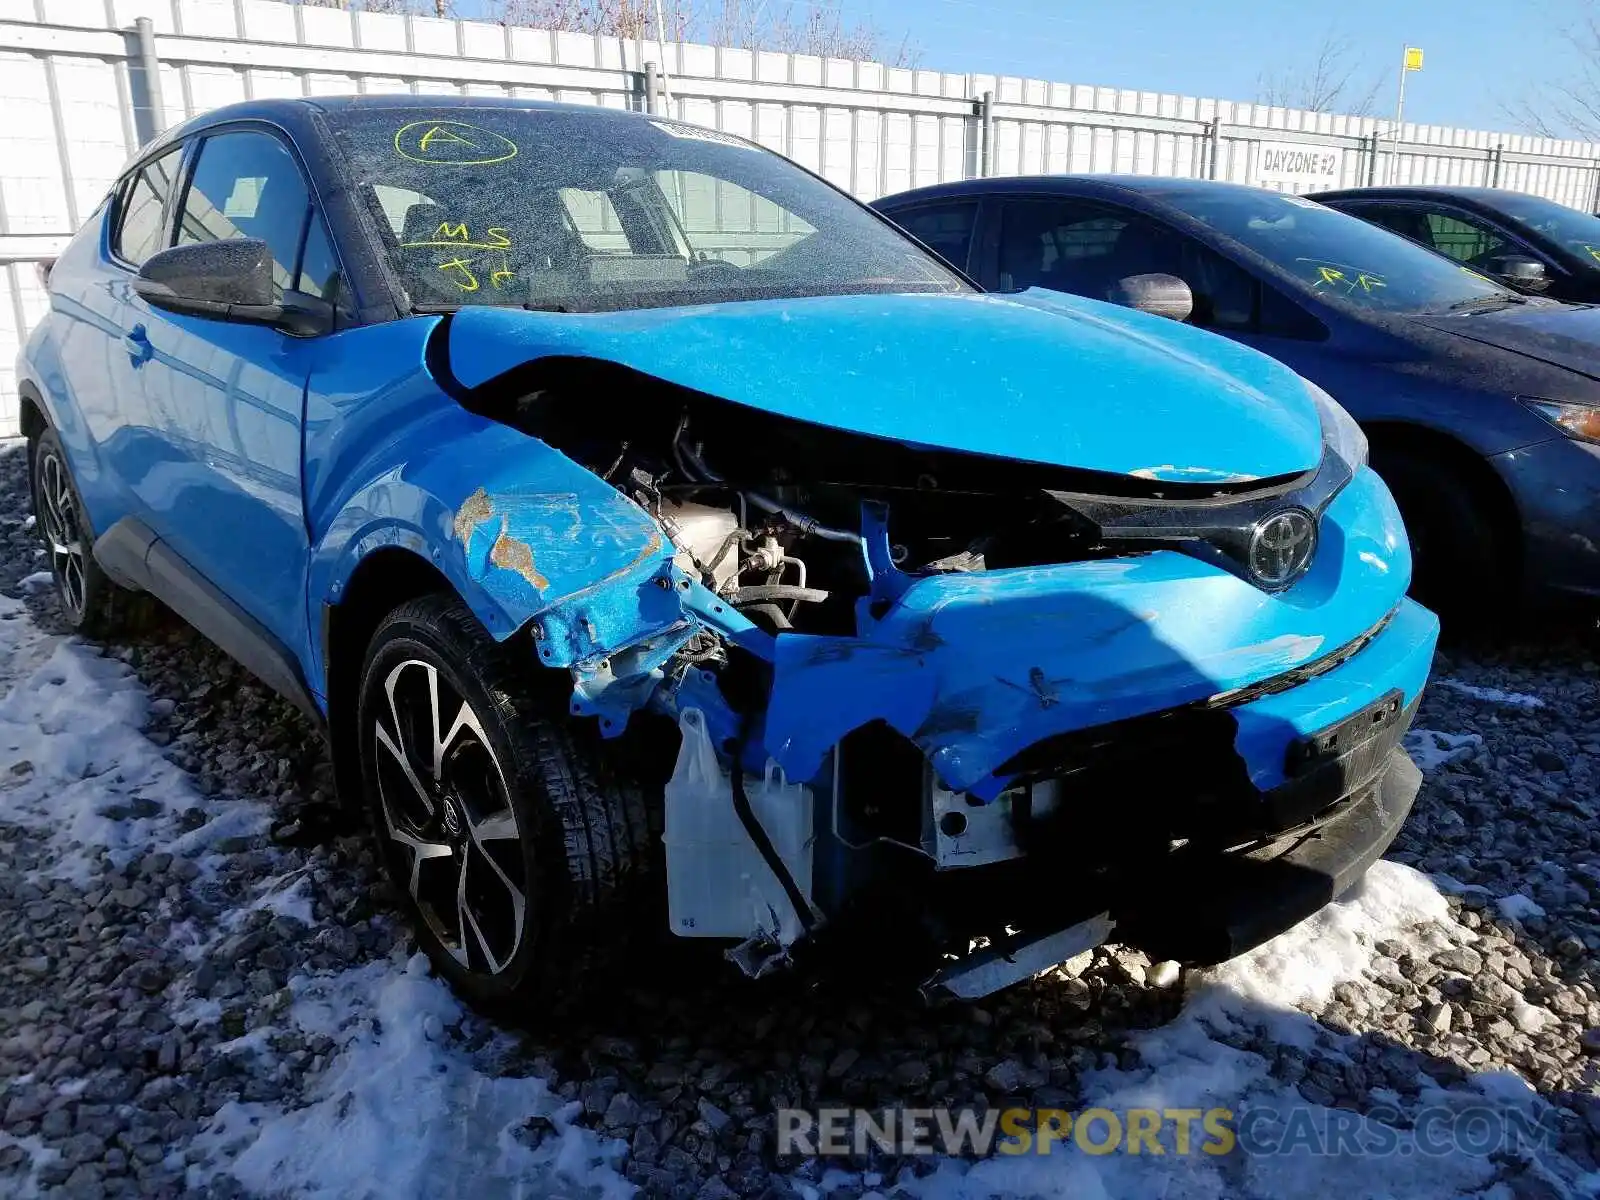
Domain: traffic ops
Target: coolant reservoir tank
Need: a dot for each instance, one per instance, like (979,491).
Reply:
(718,884)
(701,530)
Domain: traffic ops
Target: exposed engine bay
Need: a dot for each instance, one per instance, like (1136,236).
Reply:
(807,536)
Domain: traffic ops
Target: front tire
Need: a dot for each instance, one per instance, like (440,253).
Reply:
(524,862)
(1460,565)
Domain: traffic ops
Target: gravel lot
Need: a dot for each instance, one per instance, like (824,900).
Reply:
(144,991)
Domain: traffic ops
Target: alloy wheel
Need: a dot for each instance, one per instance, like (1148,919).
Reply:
(63,536)
(447,807)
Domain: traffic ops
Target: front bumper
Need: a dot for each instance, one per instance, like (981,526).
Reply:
(1206,908)
(1556,486)
(976,669)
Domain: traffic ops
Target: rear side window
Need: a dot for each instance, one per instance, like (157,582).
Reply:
(139,229)
(248,185)
(1464,241)
(946,229)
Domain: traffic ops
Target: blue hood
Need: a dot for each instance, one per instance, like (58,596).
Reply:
(1039,377)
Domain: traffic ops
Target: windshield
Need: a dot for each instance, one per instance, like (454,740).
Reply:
(1338,256)
(579,212)
(1568,227)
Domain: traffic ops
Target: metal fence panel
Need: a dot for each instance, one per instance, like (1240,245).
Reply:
(76,103)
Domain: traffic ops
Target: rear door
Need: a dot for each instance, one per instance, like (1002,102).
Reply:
(228,398)
(106,348)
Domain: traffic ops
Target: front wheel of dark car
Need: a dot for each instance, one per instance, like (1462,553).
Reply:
(90,601)
(525,862)
(1460,564)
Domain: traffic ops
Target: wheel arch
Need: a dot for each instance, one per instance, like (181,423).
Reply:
(1500,503)
(383,580)
(31,417)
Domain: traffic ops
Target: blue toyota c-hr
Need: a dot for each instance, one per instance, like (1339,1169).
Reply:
(642,518)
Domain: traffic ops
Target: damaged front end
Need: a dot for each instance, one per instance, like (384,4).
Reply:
(988,699)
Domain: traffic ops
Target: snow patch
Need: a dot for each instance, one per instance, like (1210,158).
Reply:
(73,758)
(39,581)
(402,1111)
(1491,695)
(1517,907)
(1431,749)
(1184,1065)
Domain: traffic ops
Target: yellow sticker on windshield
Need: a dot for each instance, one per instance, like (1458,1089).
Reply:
(464,279)
(1594,252)
(459,235)
(452,144)
(1364,280)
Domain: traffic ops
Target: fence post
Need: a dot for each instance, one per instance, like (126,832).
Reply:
(651,83)
(150,68)
(986,134)
(1494,165)
(1372,160)
(1214,150)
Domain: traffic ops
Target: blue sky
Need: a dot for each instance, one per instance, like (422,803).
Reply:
(1480,53)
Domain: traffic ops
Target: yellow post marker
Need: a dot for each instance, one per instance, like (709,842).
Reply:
(1410,60)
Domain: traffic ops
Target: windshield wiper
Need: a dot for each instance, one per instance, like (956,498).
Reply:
(1485,303)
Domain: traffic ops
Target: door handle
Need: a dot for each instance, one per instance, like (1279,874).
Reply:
(137,344)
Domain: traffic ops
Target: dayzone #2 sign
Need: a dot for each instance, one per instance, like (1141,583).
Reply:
(1297,164)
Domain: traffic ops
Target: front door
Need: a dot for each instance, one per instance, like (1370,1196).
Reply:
(228,398)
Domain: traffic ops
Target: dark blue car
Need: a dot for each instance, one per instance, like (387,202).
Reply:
(1530,243)
(1482,405)
(619,497)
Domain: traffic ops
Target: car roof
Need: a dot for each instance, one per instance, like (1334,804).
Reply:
(1158,186)
(294,113)
(1483,195)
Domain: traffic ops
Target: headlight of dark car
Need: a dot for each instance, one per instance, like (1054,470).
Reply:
(1580,421)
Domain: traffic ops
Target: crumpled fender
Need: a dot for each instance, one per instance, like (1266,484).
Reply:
(521,531)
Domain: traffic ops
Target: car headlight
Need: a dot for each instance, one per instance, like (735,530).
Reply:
(1340,433)
(1581,421)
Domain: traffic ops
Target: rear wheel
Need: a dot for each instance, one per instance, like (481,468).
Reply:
(90,601)
(1461,567)
(524,861)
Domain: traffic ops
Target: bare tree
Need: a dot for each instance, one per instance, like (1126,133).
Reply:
(431,8)
(613,18)
(794,26)
(1330,84)
(1570,107)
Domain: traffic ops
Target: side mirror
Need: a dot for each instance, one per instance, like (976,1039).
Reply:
(228,281)
(1519,270)
(1159,295)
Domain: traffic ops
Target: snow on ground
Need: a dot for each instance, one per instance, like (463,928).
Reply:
(1491,695)
(74,756)
(400,1112)
(414,1101)
(1431,749)
(1185,1065)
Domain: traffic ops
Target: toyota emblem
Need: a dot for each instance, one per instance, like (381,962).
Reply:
(1281,547)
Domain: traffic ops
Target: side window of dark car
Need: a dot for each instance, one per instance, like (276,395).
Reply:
(1397,218)
(1466,241)
(139,226)
(1086,249)
(946,229)
(247,185)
